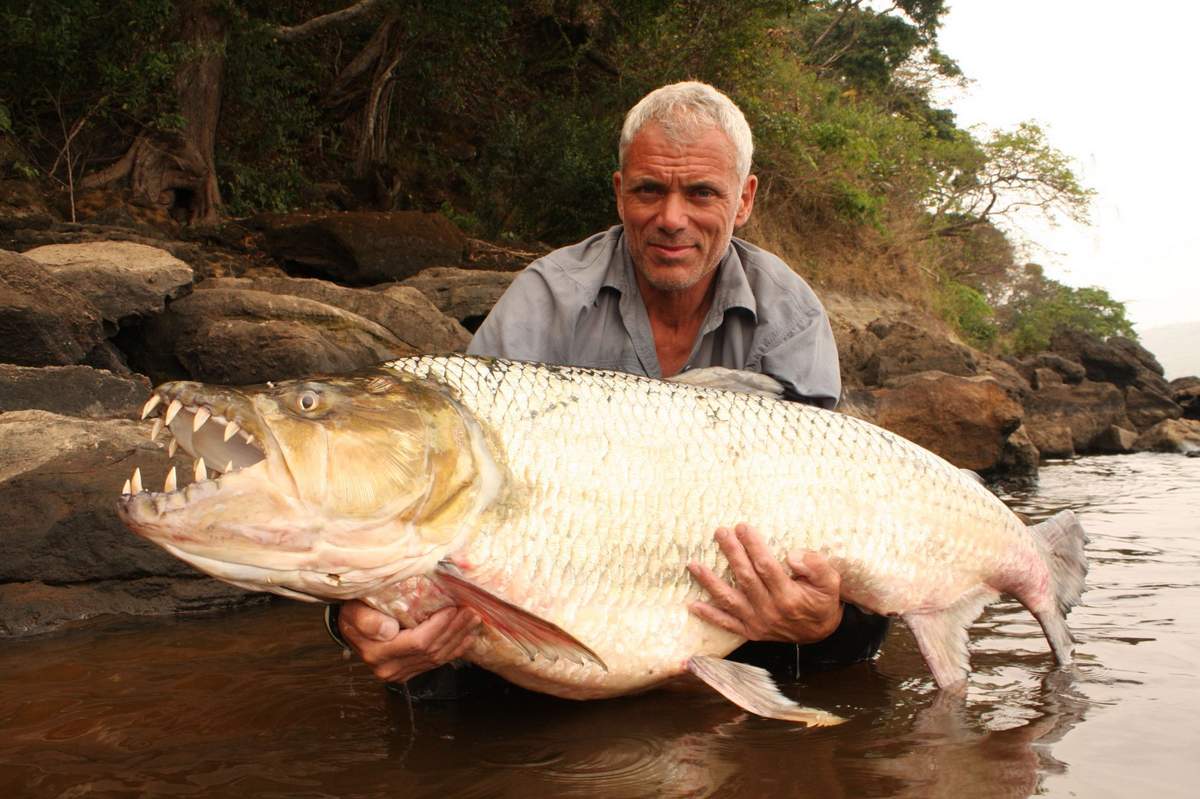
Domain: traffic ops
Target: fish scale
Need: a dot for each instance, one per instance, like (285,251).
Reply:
(582,495)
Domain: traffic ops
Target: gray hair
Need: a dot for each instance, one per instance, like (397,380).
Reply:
(687,109)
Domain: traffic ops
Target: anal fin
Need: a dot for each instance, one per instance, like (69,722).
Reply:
(531,634)
(752,689)
(942,636)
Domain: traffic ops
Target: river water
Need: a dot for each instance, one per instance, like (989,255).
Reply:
(260,704)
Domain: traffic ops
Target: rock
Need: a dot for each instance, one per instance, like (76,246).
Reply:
(1137,352)
(1011,379)
(22,207)
(1147,407)
(1171,435)
(1115,440)
(72,391)
(1185,392)
(31,608)
(906,349)
(120,278)
(1043,378)
(856,348)
(463,294)
(1104,363)
(1052,439)
(965,420)
(362,248)
(42,321)
(1070,371)
(1019,458)
(1087,410)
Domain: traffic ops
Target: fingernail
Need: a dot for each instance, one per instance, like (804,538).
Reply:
(388,629)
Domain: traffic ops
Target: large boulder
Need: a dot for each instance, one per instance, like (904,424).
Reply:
(1103,362)
(966,420)
(463,294)
(1171,435)
(120,278)
(362,248)
(1115,441)
(59,479)
(1147,407)
(42,320)
(72,391)
(1185,392)
(1086,410)
(240,331)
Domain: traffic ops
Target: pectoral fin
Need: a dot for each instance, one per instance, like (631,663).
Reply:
(752,688)
(942,637)
(531,634)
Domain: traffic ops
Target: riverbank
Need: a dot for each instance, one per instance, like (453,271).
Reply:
(95,313)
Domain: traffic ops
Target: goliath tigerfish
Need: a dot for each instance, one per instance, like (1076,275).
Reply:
(563,505)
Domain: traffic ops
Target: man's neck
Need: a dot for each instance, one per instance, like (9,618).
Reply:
(676,318)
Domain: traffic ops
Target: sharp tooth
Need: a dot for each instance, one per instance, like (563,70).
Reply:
(172,445)
(229,467)
(172,409)
(201,472)
(230,429)
(135,482)
(249,438)
(202,415)
(158,426)
(127,489)
(150,405)
(169,484)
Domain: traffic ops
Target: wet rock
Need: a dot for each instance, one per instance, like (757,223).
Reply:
(463,294)
(72,391)
(362,248)
(1087,410)
(1147,407)
(120,278)
(1052,439)
(1115,440)
(42,320)
(1171,435)
(966,420)
(1019,458)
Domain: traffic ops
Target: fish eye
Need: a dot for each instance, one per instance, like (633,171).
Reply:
(308,401)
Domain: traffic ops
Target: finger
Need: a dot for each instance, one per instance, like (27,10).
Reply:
(460,627)
(815,568)
(722,593)
(360,623)
(430,630)
(716,616)
(748,581)
(774,577)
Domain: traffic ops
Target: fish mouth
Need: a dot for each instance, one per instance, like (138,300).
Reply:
(219,429)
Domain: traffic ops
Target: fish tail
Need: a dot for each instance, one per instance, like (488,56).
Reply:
(1064,539)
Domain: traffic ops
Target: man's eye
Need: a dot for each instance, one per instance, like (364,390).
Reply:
(704,194)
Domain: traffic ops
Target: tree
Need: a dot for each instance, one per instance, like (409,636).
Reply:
(1032,307)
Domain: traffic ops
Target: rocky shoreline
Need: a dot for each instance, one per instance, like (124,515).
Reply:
(91,315)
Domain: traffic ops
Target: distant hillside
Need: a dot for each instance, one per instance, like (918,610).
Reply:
(1177,347)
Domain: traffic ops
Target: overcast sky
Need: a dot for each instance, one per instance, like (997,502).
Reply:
(1115,87)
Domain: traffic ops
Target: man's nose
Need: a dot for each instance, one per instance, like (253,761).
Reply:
(672,214)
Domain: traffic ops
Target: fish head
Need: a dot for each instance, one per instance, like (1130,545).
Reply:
(325,488)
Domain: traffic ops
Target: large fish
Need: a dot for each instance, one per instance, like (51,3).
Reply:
(563,505)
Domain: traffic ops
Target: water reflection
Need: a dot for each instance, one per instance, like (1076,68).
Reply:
(258,703)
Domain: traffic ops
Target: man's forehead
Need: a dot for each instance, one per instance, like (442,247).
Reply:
(699,153)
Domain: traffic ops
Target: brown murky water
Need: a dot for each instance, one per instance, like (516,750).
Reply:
(260,704)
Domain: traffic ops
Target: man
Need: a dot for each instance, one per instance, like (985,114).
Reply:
(668,290)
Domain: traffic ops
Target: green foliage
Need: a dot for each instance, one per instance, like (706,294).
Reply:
(1035,306)
(968,311)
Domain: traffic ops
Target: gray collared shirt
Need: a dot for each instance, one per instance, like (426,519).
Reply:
(580,306)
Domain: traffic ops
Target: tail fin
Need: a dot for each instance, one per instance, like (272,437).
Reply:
(1064,539)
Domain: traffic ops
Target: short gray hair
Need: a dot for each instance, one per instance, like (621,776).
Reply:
(686,109)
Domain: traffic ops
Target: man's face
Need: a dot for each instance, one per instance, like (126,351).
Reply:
(680,203)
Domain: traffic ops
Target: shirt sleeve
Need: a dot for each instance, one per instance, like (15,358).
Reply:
(522,326)
(806,363)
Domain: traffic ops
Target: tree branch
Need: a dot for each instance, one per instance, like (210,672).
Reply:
(291,33)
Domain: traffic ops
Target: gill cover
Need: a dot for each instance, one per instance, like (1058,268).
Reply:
(377,447)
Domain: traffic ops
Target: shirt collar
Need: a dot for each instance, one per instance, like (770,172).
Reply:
(733,287)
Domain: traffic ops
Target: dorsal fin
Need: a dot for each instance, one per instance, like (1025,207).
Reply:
(731,380)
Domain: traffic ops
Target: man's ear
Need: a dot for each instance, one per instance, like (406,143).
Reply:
(617,194)
(746,201)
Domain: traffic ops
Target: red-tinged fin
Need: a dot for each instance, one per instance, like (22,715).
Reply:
(531,634)
(942,636)
(752,689)
(1064,539)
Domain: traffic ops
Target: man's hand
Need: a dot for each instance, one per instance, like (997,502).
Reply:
(395,654)
(767,603)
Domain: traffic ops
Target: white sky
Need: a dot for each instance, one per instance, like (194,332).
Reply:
(1116,87)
